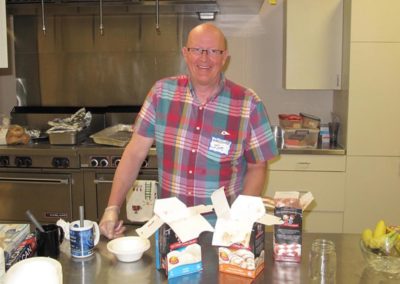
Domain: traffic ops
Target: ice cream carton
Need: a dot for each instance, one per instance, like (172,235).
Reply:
(177,229)
(287,238)
(240,233)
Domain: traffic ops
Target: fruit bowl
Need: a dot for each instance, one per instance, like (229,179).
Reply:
(383,263)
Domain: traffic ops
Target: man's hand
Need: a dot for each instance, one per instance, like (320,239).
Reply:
(109,224)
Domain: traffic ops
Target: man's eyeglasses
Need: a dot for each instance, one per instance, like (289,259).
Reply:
(197,51)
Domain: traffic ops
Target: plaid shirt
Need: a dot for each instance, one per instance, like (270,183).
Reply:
(203,147)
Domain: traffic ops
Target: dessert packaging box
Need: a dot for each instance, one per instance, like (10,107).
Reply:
(240,233)
(287,238)
(177,229)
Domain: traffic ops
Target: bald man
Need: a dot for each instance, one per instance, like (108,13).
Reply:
(209,132)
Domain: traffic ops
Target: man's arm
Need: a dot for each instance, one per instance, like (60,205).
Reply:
(255,178)
(128,168)
(126,173)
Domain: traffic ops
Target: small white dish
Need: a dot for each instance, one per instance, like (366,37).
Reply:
(128,249)
(35,270)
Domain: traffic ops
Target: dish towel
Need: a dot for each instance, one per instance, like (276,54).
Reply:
(140,200)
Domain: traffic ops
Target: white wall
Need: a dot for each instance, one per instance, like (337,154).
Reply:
(255,43)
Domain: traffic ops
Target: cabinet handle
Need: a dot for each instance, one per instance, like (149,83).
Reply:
(303,165)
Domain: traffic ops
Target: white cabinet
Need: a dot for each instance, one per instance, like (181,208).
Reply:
(373,132)
(374,99)
(375,21)
(3,35)
(372,193)
(323,176)
(313,42)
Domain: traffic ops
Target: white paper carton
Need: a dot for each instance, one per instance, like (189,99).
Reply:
(177,229)
(240,232)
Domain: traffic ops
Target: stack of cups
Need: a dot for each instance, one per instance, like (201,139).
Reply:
(323,262)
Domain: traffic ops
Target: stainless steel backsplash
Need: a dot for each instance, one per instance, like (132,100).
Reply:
(72,64)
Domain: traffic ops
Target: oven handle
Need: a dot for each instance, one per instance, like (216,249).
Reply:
(36,180)
(99,181)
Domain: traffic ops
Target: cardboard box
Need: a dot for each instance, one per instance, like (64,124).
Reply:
(240,234)
(177,229)
(11,235)
(287,237)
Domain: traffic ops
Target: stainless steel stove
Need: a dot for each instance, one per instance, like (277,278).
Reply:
(54,180)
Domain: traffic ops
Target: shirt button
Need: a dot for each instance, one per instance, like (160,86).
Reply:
(200,108)
(190,172)
(190,193)
(193,150)
(198,128)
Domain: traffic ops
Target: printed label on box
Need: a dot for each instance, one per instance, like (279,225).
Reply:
(244,261)
(175,257)
(288,236)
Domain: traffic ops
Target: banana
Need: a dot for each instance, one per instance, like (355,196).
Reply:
(366,237)
(380,229)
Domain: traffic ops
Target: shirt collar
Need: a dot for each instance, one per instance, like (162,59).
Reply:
(220,87)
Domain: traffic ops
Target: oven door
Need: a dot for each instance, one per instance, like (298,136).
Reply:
(47,195)
(98,188)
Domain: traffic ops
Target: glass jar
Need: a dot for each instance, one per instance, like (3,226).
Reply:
(322,268)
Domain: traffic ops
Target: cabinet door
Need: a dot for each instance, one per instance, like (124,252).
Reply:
(3,35)
(373,21)
(372,192)
(374,100)
(313,44)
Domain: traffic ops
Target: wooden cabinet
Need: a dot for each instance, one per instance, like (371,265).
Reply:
(372,193)
(3,35)
(313,43)
(323,176)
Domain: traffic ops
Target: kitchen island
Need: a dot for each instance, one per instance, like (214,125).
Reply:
(103,267)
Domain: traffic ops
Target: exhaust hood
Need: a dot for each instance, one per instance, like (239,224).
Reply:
(142,6)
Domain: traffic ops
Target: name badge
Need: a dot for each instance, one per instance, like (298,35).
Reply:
(220,145)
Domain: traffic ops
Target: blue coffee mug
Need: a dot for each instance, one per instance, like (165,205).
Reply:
(83,239)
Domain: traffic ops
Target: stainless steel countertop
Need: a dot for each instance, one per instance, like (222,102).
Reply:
(322,149)
(103,267)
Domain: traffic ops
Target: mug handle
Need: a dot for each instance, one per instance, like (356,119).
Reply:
(60,234)
(96,233)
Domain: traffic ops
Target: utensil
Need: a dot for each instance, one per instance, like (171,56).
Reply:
(81,216)
(34,221)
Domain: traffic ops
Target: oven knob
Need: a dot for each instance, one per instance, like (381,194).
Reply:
(4,161)
(94,162)
(28,162)
(18,162)
(145,163)
(116,162)
(60,162)
(103,162)
(65,162)
(23,162)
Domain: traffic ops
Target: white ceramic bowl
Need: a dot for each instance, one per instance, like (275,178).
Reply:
(128,249)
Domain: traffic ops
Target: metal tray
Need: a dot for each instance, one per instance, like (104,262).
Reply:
(117,135)
(68,137)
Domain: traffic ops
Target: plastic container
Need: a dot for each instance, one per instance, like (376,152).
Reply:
(310,121)
(300,138)
(290,121)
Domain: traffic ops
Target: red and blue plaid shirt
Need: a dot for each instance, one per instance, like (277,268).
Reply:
(201,147)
